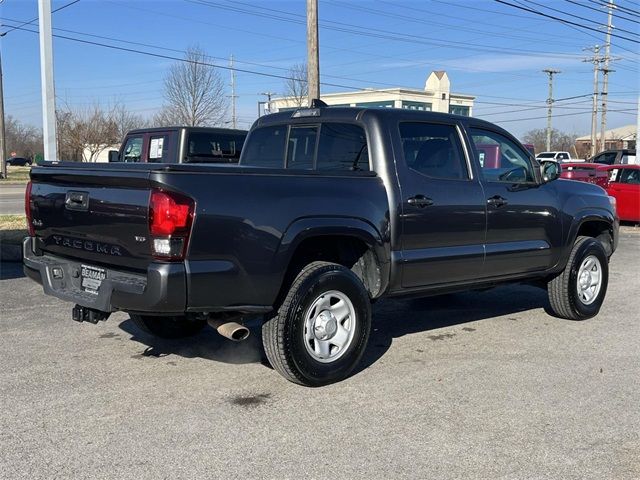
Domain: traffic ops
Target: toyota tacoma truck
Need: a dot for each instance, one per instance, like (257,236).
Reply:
(328,210)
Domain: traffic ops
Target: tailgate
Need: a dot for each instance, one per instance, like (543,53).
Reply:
(93,213)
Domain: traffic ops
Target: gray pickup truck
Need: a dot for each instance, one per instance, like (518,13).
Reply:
(328,210)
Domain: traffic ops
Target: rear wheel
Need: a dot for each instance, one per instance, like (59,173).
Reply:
(321,329)
(168,327)
(579,291)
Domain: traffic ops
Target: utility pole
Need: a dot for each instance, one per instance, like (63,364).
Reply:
(268,102)
(594,112)
(234,118)
(551,72)
(313,60)
(48,90)
(605,76)
(638,129)
(3,144)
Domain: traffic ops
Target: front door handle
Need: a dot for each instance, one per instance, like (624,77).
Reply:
(420,201)
(497,201)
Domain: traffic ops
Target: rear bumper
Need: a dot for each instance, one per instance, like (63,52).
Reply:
(161,290)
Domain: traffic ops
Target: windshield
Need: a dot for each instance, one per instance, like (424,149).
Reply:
(546,155)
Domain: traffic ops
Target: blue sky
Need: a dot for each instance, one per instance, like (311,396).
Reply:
(490,50)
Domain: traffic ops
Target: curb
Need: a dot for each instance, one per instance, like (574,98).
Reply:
(10,252)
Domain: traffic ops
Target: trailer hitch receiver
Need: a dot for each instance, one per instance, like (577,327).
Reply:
(85,314)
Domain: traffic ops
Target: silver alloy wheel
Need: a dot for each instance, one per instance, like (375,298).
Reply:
(589,280)
(329,326)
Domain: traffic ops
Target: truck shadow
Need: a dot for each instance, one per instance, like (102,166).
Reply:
(208,344)
(395,318)
(11,270)
(392,318)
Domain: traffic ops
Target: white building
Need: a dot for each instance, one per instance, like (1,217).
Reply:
(436,96)
(100,153)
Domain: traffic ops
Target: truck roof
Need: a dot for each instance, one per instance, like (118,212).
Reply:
(191,129)
(360,113)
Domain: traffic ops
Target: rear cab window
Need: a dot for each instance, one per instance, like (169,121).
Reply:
(329,146)
(213,147)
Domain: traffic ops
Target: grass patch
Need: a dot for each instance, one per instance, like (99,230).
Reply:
(16,175)
(13,228)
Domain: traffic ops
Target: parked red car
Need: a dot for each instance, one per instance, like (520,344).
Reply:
(586,172)
(624,185)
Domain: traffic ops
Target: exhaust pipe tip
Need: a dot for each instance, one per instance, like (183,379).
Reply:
(231,330)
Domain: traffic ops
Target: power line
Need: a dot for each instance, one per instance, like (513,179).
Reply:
(170,57)
(379,33)
(579,17)
(562,20)
(130,42)
(599,10)
(631,111)
(36,19)
(624,9)
(519,16)
(457,26)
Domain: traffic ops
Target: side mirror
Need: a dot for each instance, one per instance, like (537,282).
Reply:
(550,170)
(114,156)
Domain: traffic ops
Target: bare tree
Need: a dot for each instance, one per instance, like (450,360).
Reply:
(22,139)
(296,87)
(84,132)
(125,120)
(194,93)
(559,140)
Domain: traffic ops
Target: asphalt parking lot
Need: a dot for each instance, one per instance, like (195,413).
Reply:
(476,385)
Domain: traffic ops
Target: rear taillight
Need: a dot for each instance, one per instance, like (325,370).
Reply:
(170,219)
(27,209)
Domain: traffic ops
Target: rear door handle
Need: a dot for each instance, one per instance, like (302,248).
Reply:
(497,201)
(420,201)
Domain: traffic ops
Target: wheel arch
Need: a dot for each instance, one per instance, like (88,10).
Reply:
(352,242)
(597,223)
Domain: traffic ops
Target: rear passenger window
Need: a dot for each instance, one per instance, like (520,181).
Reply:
(343,146)
(302,147)
(158,148)
(266,147)
(433,150)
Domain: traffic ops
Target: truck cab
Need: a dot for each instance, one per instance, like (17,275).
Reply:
(180,145)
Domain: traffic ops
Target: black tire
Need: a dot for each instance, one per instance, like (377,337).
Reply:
(168,327)
(283,335)
(562,290)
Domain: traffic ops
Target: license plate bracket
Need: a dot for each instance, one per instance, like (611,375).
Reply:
(91,278)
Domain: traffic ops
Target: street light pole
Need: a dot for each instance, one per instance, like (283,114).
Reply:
(46,74)
(3,144)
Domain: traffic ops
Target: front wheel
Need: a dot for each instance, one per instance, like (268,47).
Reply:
(168,326)
(321,329)
(578,292)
